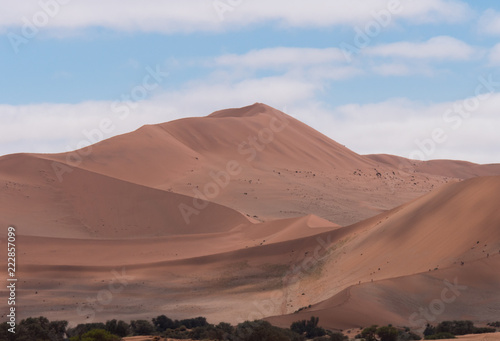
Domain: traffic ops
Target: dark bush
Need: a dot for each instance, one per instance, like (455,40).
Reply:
(162,323)
(309,328)
(141,327)
(263,331)
(387,333)
(429,330)
(119,328)
(408,335)
(195,322)
(369,333)
(460,328)
(440,336)
(482,330)
(40,328)
(338,337)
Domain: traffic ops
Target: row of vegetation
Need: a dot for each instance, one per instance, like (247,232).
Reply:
(449,329)
(41,329)
(387,333)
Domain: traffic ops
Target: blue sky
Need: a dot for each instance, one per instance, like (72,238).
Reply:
(414,65)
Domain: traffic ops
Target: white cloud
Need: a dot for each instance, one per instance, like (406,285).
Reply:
(332,72)
(316,64)
(494,55)
(435,11)
(437,48)
(489,22)
(300,63)
(168,16)
(392,69)
(394,127)
(282,58)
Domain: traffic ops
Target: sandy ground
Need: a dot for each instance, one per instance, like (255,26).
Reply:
(480,337)
(192,218)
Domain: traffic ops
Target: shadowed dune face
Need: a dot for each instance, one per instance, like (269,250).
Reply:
(91,205)
(414,300)
(244,214)
(396,262)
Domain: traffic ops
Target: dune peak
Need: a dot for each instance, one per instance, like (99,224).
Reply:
(248,111)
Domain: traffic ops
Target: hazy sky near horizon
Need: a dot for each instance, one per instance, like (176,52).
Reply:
(418,79)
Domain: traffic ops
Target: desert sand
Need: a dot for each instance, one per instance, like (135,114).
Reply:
(248,214)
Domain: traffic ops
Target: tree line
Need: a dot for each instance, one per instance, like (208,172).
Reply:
(41,329)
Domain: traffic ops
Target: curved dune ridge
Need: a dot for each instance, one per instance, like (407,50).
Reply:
(396,262)
(248,213)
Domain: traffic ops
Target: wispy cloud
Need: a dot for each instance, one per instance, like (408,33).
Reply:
(282,58)
(168,16)
(489,22)
(403,58)
(394,125)
(437,48)
(392,69)
(494,55)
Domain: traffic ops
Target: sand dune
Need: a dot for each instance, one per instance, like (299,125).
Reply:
(447,168)
(468,292)
(272,156)
(455,228)
(91,205)
(269,277)
(244,214)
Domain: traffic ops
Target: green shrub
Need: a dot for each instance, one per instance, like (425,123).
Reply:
(408,335)
(457,328)
(263,331)
(387,333)
(141,327)
(39,328)
(369,333)
(309,328)
(83,328)
(96,335)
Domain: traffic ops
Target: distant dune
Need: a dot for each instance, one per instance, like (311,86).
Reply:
(448,168)
(247,214)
